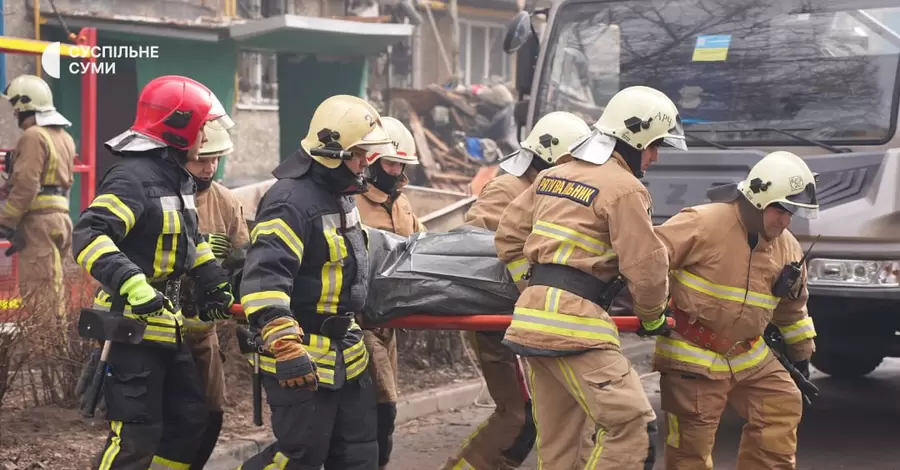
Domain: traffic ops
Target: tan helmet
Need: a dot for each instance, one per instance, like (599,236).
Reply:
(218,142)
(343,122)
(782,178)
(549,140)
(402,141)
(642,115)
(29,93)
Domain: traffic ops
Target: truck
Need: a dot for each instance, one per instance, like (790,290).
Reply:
(819,79)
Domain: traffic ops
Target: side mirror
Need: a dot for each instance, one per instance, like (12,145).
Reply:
(518,32)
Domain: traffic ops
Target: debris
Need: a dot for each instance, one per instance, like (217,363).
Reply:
(459,133)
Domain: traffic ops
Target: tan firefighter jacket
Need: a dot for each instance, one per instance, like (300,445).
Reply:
(596,219)
(717,280)
(495,198)
(395,215)
(41,174)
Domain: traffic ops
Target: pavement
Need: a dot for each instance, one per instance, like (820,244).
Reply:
(853,425)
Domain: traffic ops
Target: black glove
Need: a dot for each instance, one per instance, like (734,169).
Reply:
(649,329)
(7,233)
(216,304)
(803,368)
(220,245)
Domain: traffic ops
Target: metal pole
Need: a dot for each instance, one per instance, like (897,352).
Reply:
(454,46)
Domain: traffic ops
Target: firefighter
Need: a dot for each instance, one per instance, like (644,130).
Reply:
(222,223)
(137,237)
(385,207)
(506,438)
(304,280)
(36,213)
(725,259)
(582,223)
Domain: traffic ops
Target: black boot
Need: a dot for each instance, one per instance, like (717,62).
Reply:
(208,443)
(387,413)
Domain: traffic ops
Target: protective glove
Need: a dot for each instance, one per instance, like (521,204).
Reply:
(293,367)
(803,368)
(216,304)
(658,327)
(7,233)
(144,299)
(220,244)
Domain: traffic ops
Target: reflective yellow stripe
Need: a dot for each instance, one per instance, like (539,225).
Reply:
(518,268)
(159,463)
(49,176)
(565,325)
(115,445)
(358,367)
(164,258)
(46,201)
(673,439)
(160,328)
(682,351)
(279,462)
(652,311)
(281,230)
(102,245)
(11,211)
(204,254)
(267,298)
(598,449)
(567,235)
(718,291)
(575,389)
(116,207)
(534,415)
(332,272)
(798,331)
(319,349)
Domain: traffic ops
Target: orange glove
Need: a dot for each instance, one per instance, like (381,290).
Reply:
(293,367)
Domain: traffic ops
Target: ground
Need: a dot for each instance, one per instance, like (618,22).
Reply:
(60,439)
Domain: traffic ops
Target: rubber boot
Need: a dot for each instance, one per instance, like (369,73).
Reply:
(387,414)
(208,442)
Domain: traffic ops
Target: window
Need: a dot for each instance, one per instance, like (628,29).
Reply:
(258,79)
(481,52)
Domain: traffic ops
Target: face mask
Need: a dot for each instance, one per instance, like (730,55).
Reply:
(382,180)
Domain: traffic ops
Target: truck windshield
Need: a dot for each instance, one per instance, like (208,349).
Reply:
(736,69)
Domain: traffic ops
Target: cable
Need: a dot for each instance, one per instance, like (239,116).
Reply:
(72,36)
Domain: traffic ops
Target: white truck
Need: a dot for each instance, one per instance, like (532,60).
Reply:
(817,78)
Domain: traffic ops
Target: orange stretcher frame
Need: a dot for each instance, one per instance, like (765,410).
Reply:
(469,322)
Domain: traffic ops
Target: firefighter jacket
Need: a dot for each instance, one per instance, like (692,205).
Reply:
(40,174)
(388,212)
(720,282)
(144,221)
(594,219)
(495,197)
(307,258)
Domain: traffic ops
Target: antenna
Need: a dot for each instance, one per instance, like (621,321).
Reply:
(808,250)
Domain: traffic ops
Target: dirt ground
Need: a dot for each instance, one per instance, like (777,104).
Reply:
(60,439)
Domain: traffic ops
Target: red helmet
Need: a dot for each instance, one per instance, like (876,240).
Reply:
(173,109)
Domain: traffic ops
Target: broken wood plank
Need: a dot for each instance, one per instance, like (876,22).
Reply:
(436,141)
(452,98)
(451,178)
(415,126)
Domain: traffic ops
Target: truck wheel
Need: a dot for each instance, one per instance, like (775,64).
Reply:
(843,366)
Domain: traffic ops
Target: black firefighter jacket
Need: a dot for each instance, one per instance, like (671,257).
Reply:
(144,221)
(308,256)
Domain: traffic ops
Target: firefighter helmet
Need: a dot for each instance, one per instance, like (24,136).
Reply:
(218,142)
(639,116)
(341,123)
(30,93)
(403,142)
(782,178)
(549,140)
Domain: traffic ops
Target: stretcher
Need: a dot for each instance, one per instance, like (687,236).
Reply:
(468,322)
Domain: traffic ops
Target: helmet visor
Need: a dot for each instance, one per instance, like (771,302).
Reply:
(675,137)
(217,114)
(803,204)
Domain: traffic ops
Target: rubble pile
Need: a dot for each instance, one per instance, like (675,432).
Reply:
(460,133)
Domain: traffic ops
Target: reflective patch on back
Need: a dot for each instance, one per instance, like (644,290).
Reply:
(572,190)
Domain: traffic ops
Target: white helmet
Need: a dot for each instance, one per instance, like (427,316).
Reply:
(549,140)
(782,178)
(31,93)
(342,122)
(642,115)
(218,142)
(404,145)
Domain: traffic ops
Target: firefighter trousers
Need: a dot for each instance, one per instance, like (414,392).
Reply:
(48,240)
(507,437)
(600,386)
(768,400)
(203,342)
(155,408)
(381,344)
(331,428)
